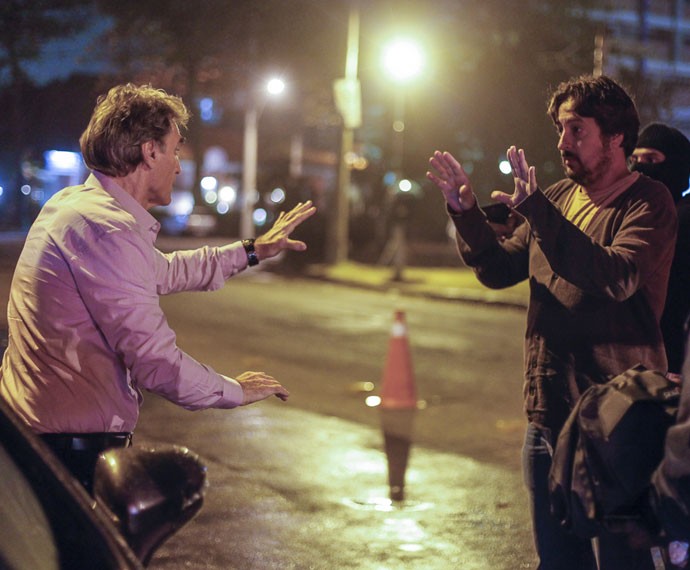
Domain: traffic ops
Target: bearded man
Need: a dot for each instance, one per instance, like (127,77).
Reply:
(597,248)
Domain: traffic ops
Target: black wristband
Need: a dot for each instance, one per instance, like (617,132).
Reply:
(252,258)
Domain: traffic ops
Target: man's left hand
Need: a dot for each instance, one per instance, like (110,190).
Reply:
(524,176)
(277,238)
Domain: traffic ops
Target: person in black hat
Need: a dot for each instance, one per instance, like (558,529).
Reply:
(663,153)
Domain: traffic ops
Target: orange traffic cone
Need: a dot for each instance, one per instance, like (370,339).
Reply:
(398,390)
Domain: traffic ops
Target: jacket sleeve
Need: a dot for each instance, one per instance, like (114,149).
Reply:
(641,247)
(497,264)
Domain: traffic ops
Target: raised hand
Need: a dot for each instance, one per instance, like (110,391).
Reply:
(452,180)
(524,177)
(277,238)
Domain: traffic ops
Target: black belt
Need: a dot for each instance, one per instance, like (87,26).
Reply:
(87,441)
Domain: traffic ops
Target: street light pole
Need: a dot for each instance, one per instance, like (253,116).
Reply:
(250,158)
(348,100)
(402,61)
(274,87)
(398,143)
(399,229)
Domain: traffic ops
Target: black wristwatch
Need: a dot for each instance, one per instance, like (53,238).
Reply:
(252,258)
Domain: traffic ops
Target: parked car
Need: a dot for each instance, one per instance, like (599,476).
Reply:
(48,520)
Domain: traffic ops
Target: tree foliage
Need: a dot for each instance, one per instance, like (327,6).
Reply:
(222,48)
(490,66)
(25,25)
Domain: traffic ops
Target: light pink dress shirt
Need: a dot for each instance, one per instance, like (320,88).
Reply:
(86,330)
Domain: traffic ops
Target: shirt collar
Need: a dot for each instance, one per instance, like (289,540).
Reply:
(607,195)
(128,203)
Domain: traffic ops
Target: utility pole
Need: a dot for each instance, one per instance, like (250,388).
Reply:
(348,100)
(249,168)
(255,104)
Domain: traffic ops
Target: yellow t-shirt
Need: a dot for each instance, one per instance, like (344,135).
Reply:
(581,206)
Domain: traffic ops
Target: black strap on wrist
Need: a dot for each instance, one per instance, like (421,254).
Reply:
(252,258)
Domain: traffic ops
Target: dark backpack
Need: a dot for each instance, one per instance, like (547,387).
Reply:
(607,451)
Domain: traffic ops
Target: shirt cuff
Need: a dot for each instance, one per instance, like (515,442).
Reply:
(233,259)
(453,214)
(233,395)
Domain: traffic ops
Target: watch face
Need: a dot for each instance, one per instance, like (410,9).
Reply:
(252,258)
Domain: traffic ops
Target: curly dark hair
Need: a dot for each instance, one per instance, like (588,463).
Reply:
(603,100)
(127,116)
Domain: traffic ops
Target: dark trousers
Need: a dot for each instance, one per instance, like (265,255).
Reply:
(80,451)
(556,548)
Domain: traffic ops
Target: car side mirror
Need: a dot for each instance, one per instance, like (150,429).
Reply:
(149,493)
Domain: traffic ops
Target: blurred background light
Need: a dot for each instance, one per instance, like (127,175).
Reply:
(209,183)
(405,185)
(389,178)
(260,216)
(62,159)
(372,401)
(275,86)
(278,196)
(182,204)
(227,194)
(403,59)
(206,108)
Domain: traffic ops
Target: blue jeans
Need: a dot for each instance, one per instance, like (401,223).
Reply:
(558,549)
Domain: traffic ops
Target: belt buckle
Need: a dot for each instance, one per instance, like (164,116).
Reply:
(78,443)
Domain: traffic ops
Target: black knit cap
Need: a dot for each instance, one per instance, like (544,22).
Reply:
(675,169)
(668,140)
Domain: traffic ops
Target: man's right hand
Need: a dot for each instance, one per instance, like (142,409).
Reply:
(277,238)
(258,386)
(452,180)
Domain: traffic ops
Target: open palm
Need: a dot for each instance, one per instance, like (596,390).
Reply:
(524,177)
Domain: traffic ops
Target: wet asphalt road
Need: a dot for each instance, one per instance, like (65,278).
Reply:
(304,484)
(291,489)
(322,341)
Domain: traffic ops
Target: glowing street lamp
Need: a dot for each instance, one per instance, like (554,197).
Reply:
(403,61)
(274,87)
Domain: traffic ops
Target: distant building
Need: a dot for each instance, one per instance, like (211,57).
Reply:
(646,45)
